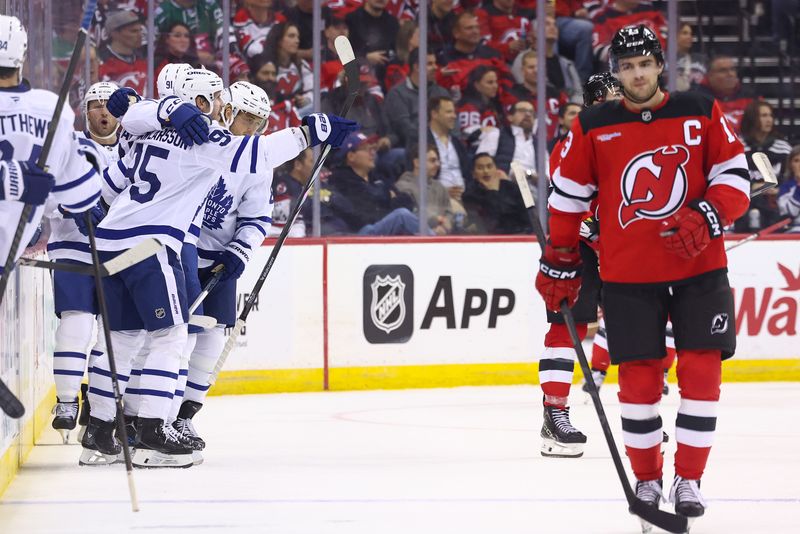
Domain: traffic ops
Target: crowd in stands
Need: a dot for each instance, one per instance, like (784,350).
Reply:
(481,69)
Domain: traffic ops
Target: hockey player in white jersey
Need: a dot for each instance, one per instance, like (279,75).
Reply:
(24,116)
(74,294)
(170,180)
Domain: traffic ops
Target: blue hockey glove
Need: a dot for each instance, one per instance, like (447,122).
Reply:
(120,99)
(233,258)
(96,212)
(322,128)
(190,123)
(25,182)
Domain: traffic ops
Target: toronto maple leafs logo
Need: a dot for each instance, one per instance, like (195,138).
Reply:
(218,204)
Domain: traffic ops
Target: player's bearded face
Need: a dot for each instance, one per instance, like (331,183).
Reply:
(639,77)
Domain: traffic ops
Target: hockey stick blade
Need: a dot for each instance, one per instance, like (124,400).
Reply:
(764,168)
(203,321)
(9,402)
(132,256)
(522,184)
(663,520)
(210,285)
(230,344)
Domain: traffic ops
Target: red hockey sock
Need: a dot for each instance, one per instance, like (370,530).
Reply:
(600,358)
(699,379)
(557,364)
(640,385)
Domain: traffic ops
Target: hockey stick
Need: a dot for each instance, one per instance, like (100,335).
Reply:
(210,285)
(8,401)
(112,365)
(665,520)
(768,230)
(764,167)
(130,257)
(348,59)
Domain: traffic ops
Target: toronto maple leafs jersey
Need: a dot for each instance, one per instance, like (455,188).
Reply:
(66,241)
(25,114)
(170,180)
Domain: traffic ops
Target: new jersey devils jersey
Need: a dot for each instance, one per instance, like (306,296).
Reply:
(643,166)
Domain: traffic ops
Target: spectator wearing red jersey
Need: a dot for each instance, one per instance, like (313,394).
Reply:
(121,59)
(441,19)
(621,13)
(331,67)
(264,74)
(295,79)
(175,45)
(466,42)
(302,16)
(479,111)
(508,25)
(527,91)
(722,82)
(252,24)
(373,32)
(561,72)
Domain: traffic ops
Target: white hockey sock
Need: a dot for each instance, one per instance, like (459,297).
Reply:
(210,343)
(160,371)
(131,397)
(73,336)
(127,344)
(182,374)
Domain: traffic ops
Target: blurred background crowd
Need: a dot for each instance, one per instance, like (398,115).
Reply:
(481,67)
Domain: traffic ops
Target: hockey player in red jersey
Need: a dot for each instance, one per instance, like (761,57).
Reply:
(556,364)
(668,175)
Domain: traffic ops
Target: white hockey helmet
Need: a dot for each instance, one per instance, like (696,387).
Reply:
(13,42)
(247,97)
(98,91)
(169,77)
(198,82)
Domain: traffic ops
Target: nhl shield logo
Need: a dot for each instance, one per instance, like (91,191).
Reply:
(647,116)
(388,300)
(388,310)
(160,313)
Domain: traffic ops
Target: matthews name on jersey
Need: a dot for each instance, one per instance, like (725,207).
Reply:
(25,114)
(643,167)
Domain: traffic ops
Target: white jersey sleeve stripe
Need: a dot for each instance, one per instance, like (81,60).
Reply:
(254,225)
(732,173)
(242,144)
(83,205)
(64,187)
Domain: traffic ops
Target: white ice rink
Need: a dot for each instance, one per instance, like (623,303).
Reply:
(462,460)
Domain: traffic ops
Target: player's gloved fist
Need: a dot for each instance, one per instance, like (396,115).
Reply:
(25,182)
(120,99)
(233,258)
(691,229)
(190,123)
(559,277)
(95,213)
(322,128)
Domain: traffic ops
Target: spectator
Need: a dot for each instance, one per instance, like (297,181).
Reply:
(455,169)
(373,32)
(480,111)
(621,13)
(264,74)
(691,66)
(252,23)
(561,72)
(295,80)
(575,34)
(302,16)
(493,202)
(466,42)
(407,40)
(290,178)
(722,83)
(121,59)
(402,110)
(202,17)
(507,25)
(377,208)
(527,91)
(239,70)
(440,24)
(789,191)
(175,45)
(440,217)
(566,116)
(759,135)
(516,142)
(331,67)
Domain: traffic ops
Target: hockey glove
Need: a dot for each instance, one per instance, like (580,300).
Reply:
(590,230)
(190,123)
(321,128)
(559,277)
(120,100)
(96,212)
(691,229)
(25,182)
(233,258)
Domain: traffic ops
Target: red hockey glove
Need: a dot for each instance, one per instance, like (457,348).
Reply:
(559,277)
(691,229)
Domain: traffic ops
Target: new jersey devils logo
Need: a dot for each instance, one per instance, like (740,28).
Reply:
(654,184)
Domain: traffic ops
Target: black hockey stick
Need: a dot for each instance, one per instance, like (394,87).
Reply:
(345,52)
(209,287)
(665,520)
(755,235)
(112,365)
(132,256)
(8,401)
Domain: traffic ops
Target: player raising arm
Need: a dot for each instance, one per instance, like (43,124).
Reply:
(668,174)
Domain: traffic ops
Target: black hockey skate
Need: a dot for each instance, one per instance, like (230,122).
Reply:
(160,445)
(130,429)
(83,416)
(66,417)
(650,492)
(686,495)
(185,427)
(559,438)
(100,445)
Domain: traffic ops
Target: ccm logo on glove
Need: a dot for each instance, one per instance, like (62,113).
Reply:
(559,274)
(708,211)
